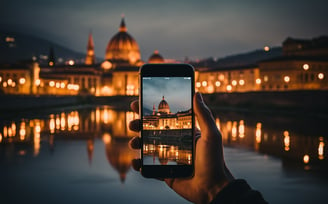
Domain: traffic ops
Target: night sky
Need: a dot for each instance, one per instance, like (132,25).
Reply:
(193,28)
(176,91)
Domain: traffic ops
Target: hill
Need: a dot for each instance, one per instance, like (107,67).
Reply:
(16,46)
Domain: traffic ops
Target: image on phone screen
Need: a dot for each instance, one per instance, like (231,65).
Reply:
(167,120)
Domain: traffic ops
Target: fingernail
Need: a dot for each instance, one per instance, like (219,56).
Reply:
(199,97)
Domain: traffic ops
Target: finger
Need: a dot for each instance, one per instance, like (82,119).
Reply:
(135,143)
(135,125)
(136,164)
(135,106)
(204,117)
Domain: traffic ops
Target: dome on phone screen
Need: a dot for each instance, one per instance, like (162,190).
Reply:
(163,107)
(123,47)
(156,58)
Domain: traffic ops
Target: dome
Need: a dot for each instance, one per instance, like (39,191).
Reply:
(122,47)
(156,58)
(163,106)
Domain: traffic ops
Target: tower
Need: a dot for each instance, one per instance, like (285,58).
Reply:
(90,58)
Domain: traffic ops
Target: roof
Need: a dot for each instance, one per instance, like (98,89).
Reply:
(298,58)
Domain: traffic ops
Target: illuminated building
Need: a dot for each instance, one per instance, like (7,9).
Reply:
(164,119)
(156,58)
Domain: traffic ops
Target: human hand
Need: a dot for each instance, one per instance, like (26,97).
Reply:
(211,173)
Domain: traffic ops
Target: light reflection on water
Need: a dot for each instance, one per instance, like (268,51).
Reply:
(88,148)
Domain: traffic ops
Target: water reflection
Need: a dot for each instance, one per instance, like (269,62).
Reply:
(301,142)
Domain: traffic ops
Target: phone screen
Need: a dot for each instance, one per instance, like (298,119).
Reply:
(167,126)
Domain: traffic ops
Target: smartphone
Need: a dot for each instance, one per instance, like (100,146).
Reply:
(167,115)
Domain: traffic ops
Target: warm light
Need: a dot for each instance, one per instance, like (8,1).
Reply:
(286,79)
(217,83)
(204,83)
(241,82)
(306,67)
(306,159)
(217,122)
(10,81)
(321,76)
(258,132)
(266,48)
(13,84)
(234,82)
(258,81)
(22,131)
(0,137)
(321,148)
(52,124)
(37,82)
(106,138)
(71,62)
(198,84)
(265,78)
(51,83)
(229,88)
(22,81)
(0,79)
(221,77)
(51,63)
(241,129)
(286,140)
(210,89)
(234,130)
(4,84)
(106,65)
(57,85)
(62,85)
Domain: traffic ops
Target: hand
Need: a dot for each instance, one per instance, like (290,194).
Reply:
(211,173)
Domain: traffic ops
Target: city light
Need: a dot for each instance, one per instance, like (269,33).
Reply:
(198,84)
(37,82)
(71,62)
(321,149)
(217,83)
(321,76)
(0,79)
(306,67)
(22,81)
(258,132)
(9,81)
(286,140)
(4,84)
(204,83)
(306,159)
(266,48)
(241,82)
(229,88)
(286,79)
(234,82)
(258,81)
(51,83)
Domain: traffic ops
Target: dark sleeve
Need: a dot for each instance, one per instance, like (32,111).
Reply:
(238,191)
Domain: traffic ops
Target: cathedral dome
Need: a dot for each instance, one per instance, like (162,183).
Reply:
(163,106)
(156,58)
(122,47)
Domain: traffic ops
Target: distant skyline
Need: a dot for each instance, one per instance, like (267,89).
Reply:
(176,92)
(178,29)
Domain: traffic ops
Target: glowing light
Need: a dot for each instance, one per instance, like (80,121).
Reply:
(37,130)
(198,84)
(22,80)
(51,83)
(286,79)
(57,85)
(62,85)
(22,131)
(234,130)
(258,81)
(234,82)
(0,79)
(4,84)
(321,149)
(204,83)
(286,140)
(13,84)
(217,122)
(51,63)
(321,76)
(52,124)
(210,89)
(71,62)
(37,82)
(106,138)
(241,82)
(0,137)
(266,48)
(10,81)
(306,67)
(106,65)
(229,88)
(306,159)
(241,129)
(266,78)
(221,77)
(258,132)
(217,83)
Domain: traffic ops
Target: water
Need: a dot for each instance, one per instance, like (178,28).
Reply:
(81,155)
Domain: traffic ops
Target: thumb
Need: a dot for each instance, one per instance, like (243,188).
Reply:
(205,118)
